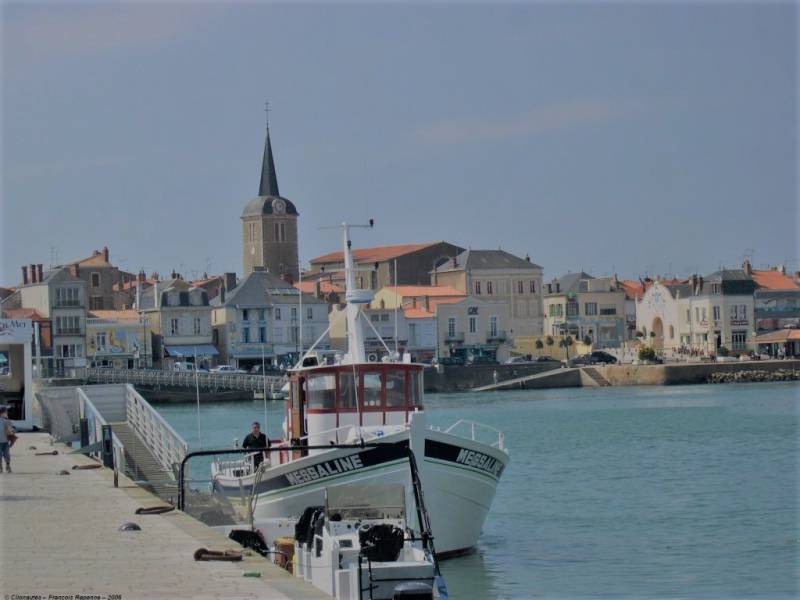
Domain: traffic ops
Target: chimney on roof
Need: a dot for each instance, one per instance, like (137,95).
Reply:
(558,287)
(141,276)
(24,275)
(228,283)
(746,267)
(317,289)
(39,274)
(74,270)
(527,257)
(782,269)
(32,268)
(105,253)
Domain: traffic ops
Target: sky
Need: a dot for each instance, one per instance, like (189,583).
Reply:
(614,138)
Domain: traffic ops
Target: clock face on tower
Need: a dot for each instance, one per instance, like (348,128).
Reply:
(278,205)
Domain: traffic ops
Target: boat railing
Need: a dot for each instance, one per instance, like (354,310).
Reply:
(167,446)
(473,426)
(236,467)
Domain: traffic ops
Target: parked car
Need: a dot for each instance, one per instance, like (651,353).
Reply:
(451,361)
(183,366)
(545,358)
(594,358)
(481,360)
(519,360)
(227,369)
(270,370)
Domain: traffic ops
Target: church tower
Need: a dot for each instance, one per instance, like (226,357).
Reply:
(269,227)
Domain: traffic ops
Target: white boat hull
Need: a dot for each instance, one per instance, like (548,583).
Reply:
(459,479)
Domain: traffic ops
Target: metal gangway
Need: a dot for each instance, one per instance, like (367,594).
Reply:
(143,445)
(213,382)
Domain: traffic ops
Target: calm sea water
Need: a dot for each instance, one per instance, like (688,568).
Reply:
(641,492)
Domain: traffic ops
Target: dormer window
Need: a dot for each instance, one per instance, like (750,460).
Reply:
(716,288)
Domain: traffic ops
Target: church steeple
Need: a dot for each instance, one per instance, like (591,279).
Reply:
(269,180)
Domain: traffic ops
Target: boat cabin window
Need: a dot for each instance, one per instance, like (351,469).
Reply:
(396,388)
(321,391)
(372,390)
(347,391)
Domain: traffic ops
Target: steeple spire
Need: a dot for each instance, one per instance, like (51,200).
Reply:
(269,180)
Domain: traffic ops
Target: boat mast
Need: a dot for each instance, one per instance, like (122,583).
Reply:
(355,298)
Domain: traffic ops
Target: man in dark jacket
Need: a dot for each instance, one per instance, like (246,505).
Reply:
(256,439)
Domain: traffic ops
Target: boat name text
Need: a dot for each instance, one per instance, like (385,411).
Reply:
(326,469)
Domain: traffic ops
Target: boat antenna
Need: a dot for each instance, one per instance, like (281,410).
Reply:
(396,351)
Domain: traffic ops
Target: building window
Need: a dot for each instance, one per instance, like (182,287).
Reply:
(68,296)
(245,314)
(697,313)
(489,287)
(520,287)
(373,280)
(96,303)
(173,327)
(572,309)
(294,314)
(277,314)
(294,334)
(671,332)
(493,327)
(473,324)
(705,314)
(100,341)
(95,279)
(261,312)
(385,317)
(197,326)
(716,288)
(533,286)
(262,334)
(739,340)
(608,310)
(245,335)
(688,315)
(277,233)
(375,318)
(451,327)
(590,308)
(715,312)
(283,231)
(478,287)
(68,325)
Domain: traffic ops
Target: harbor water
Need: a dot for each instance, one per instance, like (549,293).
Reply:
(637,492)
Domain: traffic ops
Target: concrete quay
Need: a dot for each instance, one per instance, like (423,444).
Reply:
(59,536)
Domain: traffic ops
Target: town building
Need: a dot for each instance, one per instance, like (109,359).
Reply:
(415,296)
(42,344)
(498,276)
(701,314)
(178,317)
(581,306)
(777,299)
(118,338)
(263,318)
(415,333)
(58,296)
(633,291)
(413,263)
(472,329)
(269,226)
(101,277)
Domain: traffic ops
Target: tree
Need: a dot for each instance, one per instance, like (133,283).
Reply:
(647,353)
(722,351)
(539,345)
(549,340)
(587,341)
(566,343)
(639,334)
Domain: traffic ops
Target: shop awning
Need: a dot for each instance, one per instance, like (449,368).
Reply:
(781,336)
(190,351)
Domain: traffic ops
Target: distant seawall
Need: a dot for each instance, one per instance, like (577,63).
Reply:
(686,373)
(455,378)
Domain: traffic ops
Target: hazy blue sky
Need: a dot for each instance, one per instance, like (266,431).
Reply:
(614,136)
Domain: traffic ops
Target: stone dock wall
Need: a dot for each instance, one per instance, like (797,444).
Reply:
(687,373)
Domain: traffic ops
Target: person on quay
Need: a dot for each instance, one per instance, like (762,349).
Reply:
(256,439)
(7,437)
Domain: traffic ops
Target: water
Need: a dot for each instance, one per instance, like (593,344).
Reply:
(641,492)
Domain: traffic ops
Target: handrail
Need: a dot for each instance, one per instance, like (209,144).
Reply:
(500,443)
(119,450)
(167,446)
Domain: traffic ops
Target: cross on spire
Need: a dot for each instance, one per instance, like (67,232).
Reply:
(266,110)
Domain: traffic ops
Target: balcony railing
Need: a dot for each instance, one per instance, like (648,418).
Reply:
(457,336)
(69,331)
(68,304)
(497,336)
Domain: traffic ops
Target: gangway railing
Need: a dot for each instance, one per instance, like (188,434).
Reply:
(95,422)
(187,379)
(165,444)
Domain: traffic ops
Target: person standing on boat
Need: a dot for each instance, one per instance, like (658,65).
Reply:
(256,439)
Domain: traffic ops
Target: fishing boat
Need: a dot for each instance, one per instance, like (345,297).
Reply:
(355,400)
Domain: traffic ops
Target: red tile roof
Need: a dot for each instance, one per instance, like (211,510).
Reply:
(776,337)
(774,280)
(417,313)
(309,287)
(24,313)
(377,254)
(633,289)
(436,302)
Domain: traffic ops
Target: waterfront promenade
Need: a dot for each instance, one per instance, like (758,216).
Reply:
(59,536)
